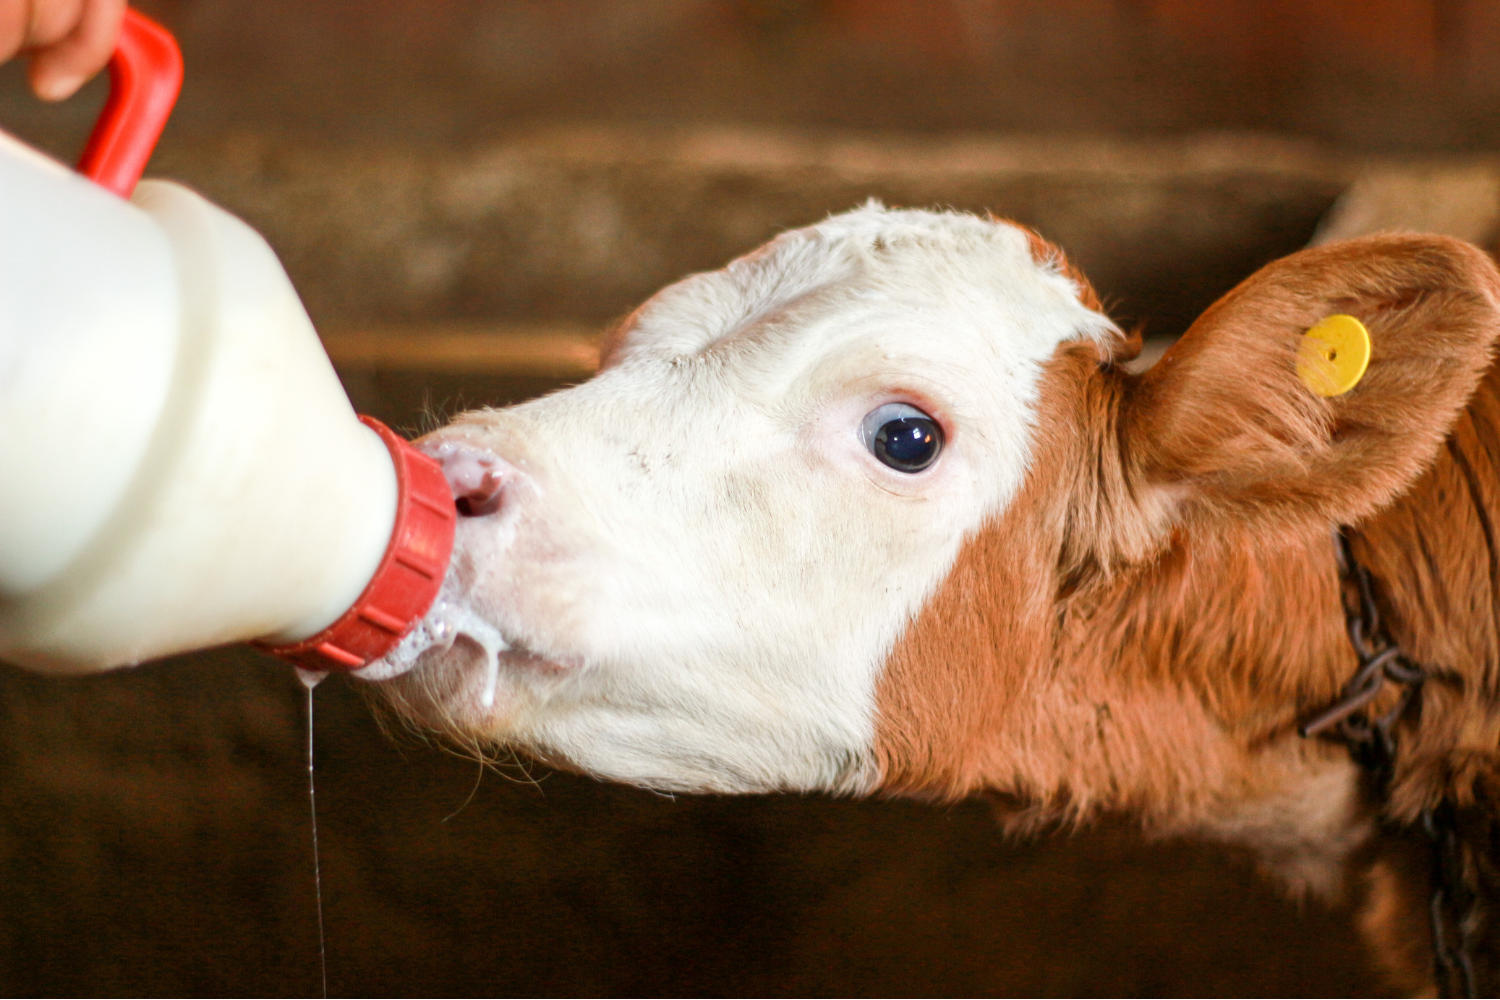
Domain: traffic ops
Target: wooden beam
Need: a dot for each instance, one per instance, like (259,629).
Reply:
(556,350)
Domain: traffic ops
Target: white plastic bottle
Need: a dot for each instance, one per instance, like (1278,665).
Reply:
(179,466)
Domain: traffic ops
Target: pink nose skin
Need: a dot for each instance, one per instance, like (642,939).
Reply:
(477,477)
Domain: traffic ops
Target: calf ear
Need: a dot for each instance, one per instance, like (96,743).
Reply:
(1223,427)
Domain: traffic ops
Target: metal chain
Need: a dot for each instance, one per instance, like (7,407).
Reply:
(1452,905)
(1372,743)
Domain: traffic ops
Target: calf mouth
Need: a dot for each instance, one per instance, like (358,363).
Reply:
(446,673)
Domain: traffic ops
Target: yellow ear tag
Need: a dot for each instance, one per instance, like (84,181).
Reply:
(1333,355)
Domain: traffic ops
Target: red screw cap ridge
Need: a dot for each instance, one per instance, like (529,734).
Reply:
(145,75)
(408,578)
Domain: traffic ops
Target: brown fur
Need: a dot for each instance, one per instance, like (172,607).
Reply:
(1142,626)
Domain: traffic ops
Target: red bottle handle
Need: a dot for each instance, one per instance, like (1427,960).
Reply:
(145,75)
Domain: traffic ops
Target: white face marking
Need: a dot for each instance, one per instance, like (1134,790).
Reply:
(698,565)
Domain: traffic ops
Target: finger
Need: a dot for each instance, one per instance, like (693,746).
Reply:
(15,22)
(51,22)
(59,70)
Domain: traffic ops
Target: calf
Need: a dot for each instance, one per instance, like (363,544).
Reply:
(877,510)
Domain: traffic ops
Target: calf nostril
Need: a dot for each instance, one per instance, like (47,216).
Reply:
(475,476)
(479,500)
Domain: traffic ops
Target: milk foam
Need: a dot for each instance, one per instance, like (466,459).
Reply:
(451,616)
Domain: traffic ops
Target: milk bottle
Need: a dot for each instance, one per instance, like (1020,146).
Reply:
(179,466)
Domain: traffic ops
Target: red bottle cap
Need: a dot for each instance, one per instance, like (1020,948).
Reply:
(410,574)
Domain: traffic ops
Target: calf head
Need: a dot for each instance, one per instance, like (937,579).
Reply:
(876,507)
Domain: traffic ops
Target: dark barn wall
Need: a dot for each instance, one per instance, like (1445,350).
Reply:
(419,163)
(154,841)
(1410,74)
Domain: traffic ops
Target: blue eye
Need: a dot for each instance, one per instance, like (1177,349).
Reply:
(902,436)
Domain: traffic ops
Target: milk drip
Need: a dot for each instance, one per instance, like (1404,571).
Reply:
(179,466)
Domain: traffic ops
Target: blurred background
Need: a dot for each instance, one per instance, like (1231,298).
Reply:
(465,193)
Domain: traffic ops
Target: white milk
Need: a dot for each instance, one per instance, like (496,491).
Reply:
(179,466)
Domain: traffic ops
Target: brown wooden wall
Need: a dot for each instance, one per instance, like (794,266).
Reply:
(1426,40)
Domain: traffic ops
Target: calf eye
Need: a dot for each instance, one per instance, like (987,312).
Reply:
(902,436)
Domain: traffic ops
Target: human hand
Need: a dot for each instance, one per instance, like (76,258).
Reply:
(68,40)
